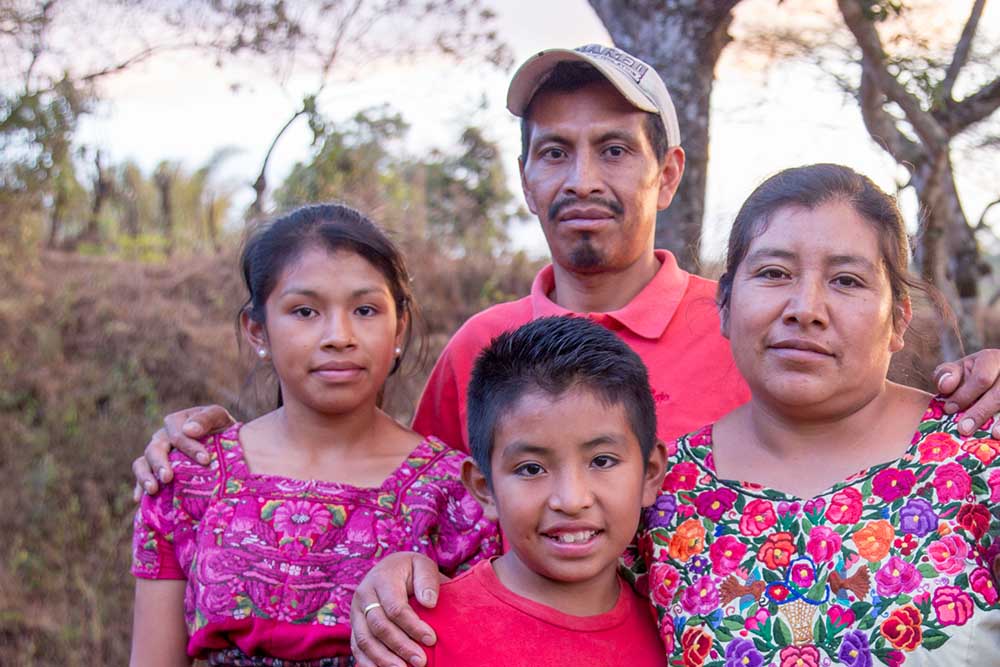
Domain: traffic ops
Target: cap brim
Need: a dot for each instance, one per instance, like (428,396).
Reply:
(530,76)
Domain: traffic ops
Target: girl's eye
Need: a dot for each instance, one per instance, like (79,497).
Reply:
(529,470)
(604,461)
(304,311)
(366,311)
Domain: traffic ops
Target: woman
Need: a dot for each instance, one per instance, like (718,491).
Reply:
(838,517)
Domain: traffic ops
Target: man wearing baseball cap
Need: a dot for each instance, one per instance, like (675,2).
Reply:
(600,155)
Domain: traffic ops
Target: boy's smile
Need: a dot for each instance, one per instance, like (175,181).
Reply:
(568,486)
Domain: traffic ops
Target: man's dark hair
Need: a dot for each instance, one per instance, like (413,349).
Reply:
(553,355)
(571,75)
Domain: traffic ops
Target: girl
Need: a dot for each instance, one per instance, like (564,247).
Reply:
(253,560)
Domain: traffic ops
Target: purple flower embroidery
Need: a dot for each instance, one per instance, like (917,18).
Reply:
(700,598)
(698,564)
(742,653)
(897,576)
(854,650)
(662,511)
(713,504)
(917,517)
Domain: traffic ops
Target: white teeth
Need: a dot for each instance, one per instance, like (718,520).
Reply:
(570,538)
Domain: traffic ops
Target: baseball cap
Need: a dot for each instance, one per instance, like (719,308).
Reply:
(635,80)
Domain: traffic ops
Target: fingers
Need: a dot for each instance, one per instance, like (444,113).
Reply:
(144,479)
(947,377)
(370,651)
(156,461)
(185,426)
(426,583)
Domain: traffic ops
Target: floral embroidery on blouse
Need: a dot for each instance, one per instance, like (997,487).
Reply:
(265,555)
(896,557)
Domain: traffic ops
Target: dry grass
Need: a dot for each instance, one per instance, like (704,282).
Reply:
(95,352)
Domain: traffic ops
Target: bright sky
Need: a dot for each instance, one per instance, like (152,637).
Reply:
(183,108)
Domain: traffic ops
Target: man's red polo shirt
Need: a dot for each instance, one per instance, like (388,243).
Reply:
(672,324)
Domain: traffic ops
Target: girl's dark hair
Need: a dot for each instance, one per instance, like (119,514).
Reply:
(273,245)
(810,187)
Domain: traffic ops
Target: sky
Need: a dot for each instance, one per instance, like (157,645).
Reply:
(183,108)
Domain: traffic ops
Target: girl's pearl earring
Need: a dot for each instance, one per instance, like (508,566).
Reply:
(262,353)
(399,351)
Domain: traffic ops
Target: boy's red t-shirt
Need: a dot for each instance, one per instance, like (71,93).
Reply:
(480,623)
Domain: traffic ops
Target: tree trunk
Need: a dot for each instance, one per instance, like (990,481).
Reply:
(947,254)
(682,40)
(164,185)
(102,189)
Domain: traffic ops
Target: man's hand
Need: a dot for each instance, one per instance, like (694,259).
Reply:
(972,384)
(178,432)
(391,628)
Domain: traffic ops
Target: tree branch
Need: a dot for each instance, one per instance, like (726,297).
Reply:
(873,63)
(955,117)
(881,126)
(962,50)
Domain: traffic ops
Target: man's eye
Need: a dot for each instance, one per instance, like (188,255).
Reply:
(616,151)
(847,281)
(772,274)
(553,153)
(529,470)
(604,461)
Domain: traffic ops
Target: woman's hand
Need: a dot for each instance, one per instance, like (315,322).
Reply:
(178,432)
(386,635)
(972,384)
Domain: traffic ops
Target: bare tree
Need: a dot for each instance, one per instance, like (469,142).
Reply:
(682,40)
(343,36)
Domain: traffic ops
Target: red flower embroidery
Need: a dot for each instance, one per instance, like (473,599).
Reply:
(975,519)
(757,517)
(695,644)
(777,551)
(681,476)
(984,449)
(937,447)
(845,506)
(952,482)
(902,628)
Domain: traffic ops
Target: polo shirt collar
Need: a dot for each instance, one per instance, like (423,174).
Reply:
(647,315)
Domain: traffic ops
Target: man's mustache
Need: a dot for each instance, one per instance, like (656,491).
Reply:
(558,205)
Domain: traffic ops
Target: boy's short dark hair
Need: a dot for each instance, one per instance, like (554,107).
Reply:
(553,355)
(567,77)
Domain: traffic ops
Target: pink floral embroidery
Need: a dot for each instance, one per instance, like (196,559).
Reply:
(952,605)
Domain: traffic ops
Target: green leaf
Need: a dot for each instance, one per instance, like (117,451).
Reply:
(928,571)
(962,581)
(733,622)
(782,635)
(769,576)
(267,511)
(979,487)
(933,639)
(338,515)
(861,608)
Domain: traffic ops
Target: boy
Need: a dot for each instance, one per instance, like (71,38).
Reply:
(562,429)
